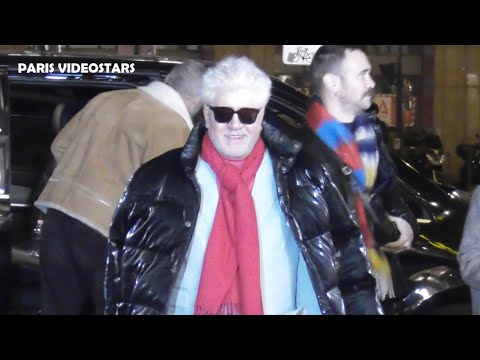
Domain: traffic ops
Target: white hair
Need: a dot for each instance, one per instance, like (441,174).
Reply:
(232,74)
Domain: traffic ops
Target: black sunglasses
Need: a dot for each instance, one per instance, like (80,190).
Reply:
(224,114)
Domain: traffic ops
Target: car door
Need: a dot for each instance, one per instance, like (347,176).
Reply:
(5,214)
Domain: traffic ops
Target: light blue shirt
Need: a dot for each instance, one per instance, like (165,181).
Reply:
(284,280)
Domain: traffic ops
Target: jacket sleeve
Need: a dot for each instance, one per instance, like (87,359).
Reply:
(387,187)
(114,294)
(124,294)
(469,253)
(356,283)
(355,280)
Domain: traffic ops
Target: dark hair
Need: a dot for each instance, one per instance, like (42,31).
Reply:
(326,60)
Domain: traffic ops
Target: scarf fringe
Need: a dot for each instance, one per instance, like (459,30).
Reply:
(382,273)
(225,309)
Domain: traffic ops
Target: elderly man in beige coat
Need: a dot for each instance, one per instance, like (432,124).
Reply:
(96,154)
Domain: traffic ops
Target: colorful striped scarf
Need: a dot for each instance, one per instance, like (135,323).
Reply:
(355,144)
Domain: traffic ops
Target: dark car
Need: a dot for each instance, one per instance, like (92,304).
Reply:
(426,277)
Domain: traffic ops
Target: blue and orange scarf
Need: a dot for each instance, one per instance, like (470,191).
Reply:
(355,144)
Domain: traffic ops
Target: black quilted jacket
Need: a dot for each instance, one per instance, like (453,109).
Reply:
(154,223)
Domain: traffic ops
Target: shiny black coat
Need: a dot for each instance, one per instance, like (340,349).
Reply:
(386,193)
(154,223)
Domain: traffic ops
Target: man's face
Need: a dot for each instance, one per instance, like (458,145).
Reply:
(356,81)
(234,140)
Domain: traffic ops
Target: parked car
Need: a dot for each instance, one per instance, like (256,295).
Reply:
(426,277)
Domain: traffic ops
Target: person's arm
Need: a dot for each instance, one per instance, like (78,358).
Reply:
(392,201)
(356,283)
(113,285)
(469,253)
(124,284)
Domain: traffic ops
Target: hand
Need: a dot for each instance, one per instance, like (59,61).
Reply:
(406,235)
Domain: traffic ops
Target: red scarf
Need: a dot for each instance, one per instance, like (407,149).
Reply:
(230,280)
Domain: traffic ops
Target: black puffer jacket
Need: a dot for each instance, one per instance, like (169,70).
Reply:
(154,223)
(385,196)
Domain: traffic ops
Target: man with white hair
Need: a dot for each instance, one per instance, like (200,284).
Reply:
(237,221)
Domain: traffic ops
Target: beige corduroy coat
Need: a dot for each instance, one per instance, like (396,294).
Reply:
(101,147)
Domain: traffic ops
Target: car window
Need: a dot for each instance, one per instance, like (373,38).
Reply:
(284,116)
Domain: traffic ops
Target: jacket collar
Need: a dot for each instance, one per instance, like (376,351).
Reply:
(278,143)
(168,97)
